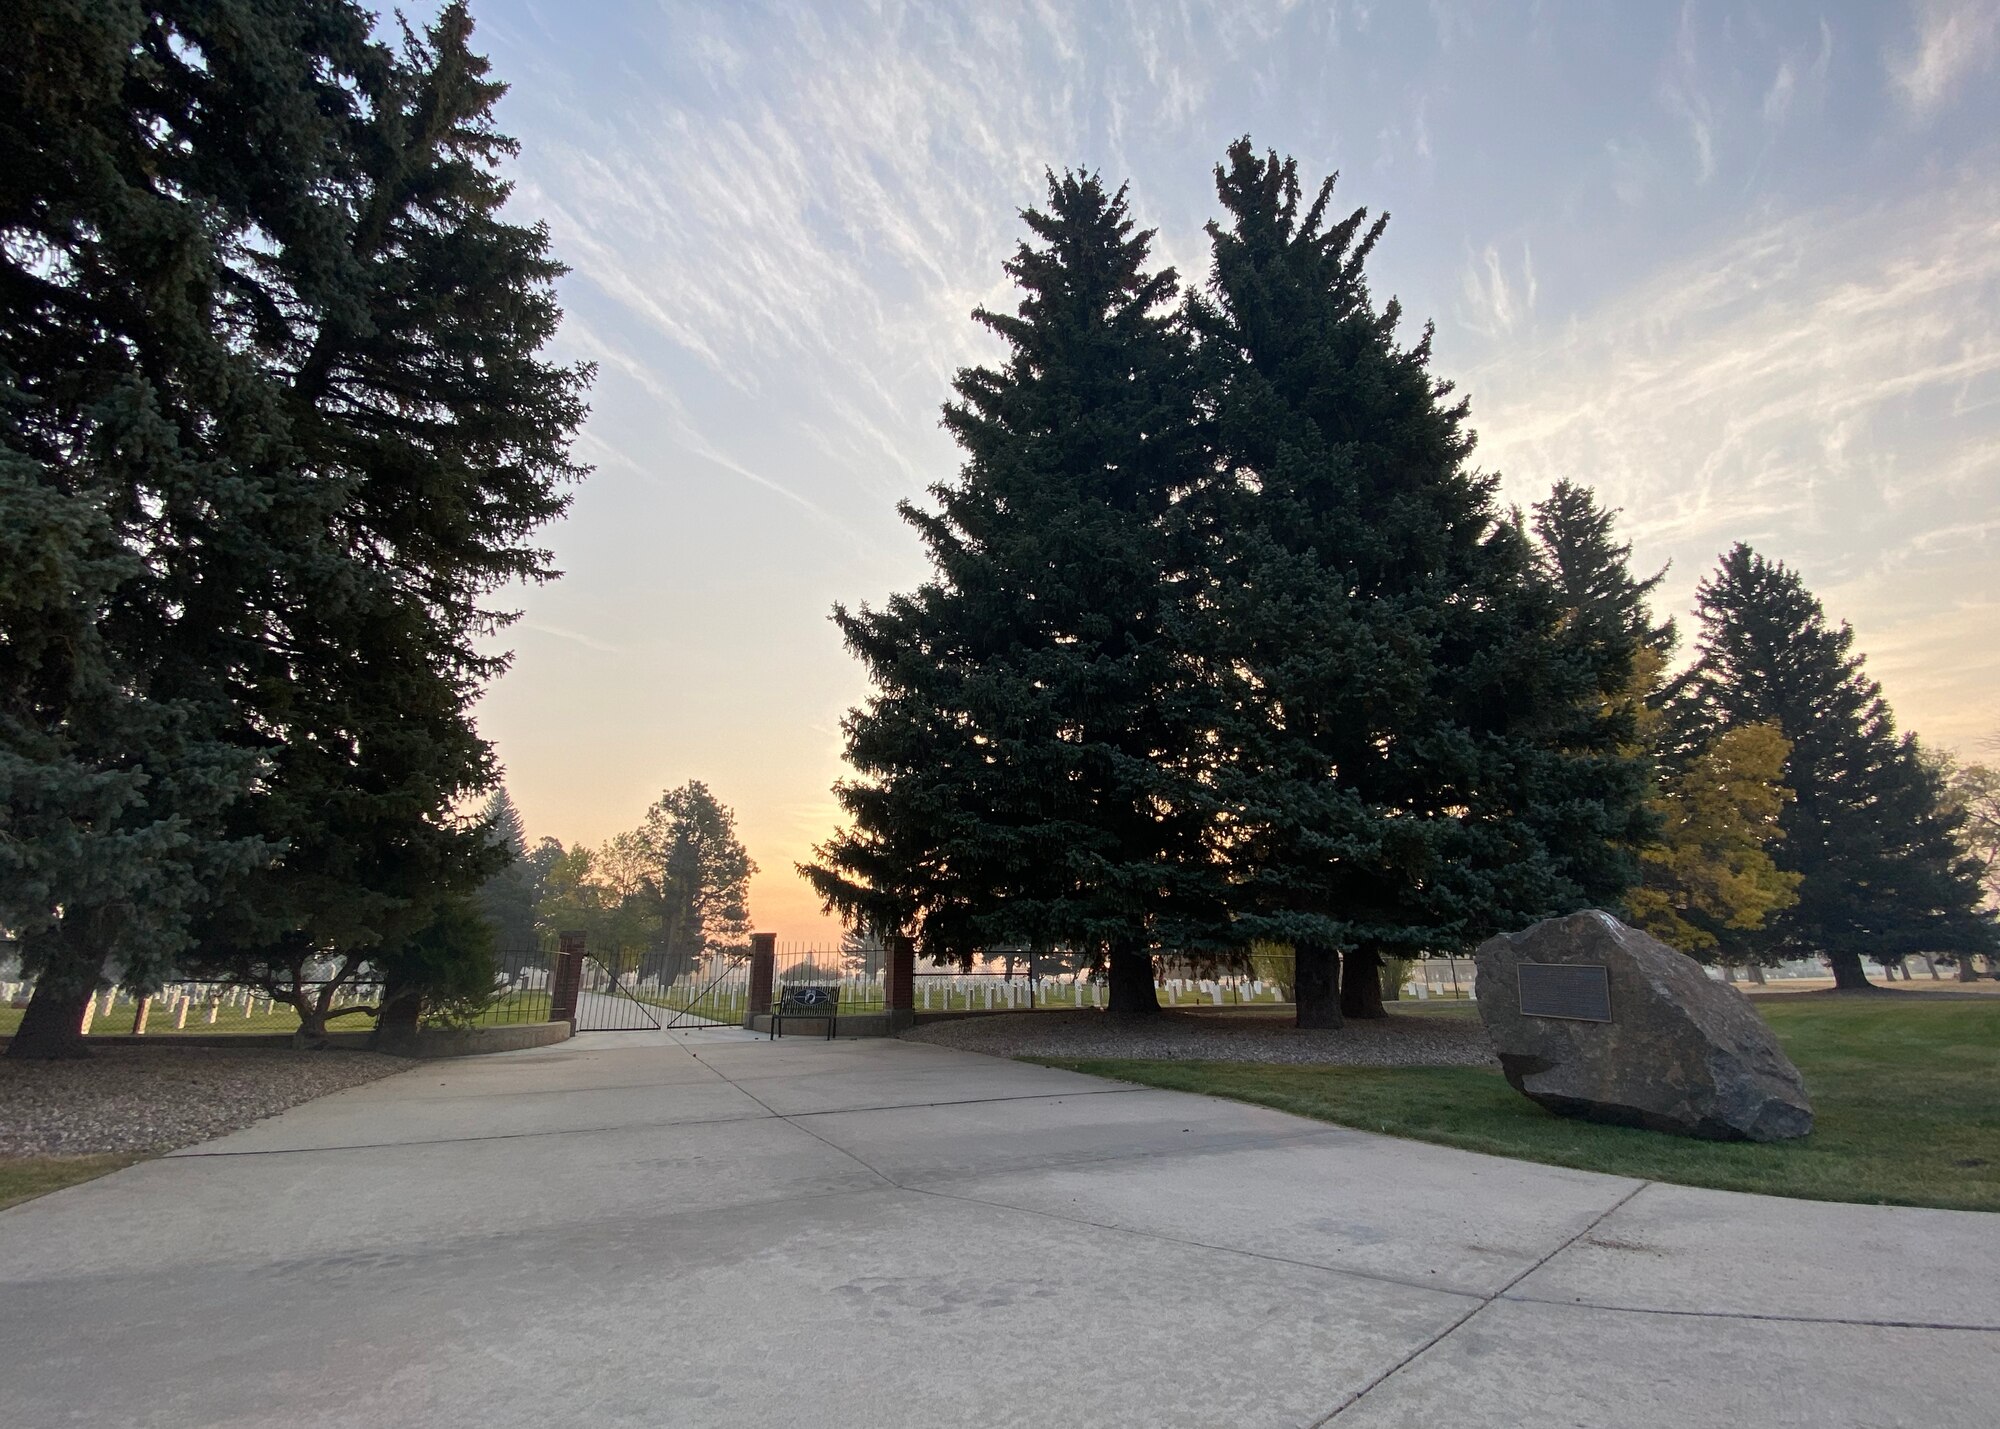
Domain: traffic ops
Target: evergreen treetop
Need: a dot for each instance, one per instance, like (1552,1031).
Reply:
(1592,569)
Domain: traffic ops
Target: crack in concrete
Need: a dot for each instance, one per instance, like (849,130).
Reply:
(1462,1321)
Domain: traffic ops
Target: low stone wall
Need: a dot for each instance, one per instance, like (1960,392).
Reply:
(475,1041)
(432,1042)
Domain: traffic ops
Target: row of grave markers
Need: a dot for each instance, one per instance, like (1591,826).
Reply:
(202,1002)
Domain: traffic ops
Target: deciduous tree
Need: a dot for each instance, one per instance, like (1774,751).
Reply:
(700,876)
(1711,875)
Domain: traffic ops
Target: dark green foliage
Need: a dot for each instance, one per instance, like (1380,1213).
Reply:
(507,899)
(1592,570)
(1031,764)
(1418,752)
(443,971)
(407,355)
(1871,830)
(264,325)
(699,877)
(139,490)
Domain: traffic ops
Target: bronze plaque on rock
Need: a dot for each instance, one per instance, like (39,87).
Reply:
(1578,991)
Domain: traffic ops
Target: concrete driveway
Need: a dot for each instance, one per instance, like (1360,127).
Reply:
(712,1229)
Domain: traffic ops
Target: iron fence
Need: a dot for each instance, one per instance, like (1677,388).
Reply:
(859,978)
(521,987)
(1025,981)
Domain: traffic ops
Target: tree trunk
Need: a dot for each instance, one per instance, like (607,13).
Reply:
(1930,966)
(396,1024)
(1848,974)
(1316,985)
(1757,974)
(1967,971)
(1131,981)
(52,1025)
(312,1017)
(1361,984)
(1394,970)
(1729,973)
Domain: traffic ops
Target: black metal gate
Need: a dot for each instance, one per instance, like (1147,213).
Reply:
(649,990)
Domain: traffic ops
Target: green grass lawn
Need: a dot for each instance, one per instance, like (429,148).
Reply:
(160,1022)
(22,1178)
(526,1006)
(1906,1096)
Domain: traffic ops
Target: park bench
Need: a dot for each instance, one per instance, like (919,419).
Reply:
(806,1001)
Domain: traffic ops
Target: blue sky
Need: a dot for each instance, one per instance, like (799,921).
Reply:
(1737,266)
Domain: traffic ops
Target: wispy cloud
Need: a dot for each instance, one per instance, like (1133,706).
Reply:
(1496,303)
(1806,388)
(1802,69)
(574,637)
(1682,92)
(1953,41)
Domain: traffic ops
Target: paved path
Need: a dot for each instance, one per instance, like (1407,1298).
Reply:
(710,1229)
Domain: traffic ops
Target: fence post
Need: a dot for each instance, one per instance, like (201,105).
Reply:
(899,983)
(763,964)
(568,979)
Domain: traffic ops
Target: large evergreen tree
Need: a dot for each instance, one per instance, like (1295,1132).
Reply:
(143,463)
(412,381)
(1030,766)
(1870,831)
(1419,752)
(264,313)
(1974,790)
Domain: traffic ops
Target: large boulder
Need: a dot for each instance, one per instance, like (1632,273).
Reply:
(1680,1052)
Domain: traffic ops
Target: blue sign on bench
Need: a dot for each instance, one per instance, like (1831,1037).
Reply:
(809,1000)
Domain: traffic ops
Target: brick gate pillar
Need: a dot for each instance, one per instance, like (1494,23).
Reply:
(899,983)
(763,965)
(568,979)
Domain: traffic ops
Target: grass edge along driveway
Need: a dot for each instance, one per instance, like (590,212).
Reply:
(22,1178)
(1906,1099)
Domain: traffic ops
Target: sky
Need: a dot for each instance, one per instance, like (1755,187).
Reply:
(1735,266)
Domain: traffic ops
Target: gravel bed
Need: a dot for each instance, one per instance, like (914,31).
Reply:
(127,1098)
(1402,1040)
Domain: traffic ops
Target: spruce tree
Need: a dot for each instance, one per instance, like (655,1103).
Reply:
(1869,831)
(507,898)
(1030,765)
(504,825)
(261,315)
(409,363)
(1592,570)
(144,464)
(1419,753)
